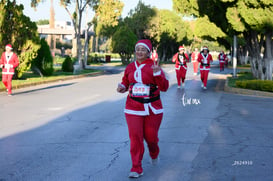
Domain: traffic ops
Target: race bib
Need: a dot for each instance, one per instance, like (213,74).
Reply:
(140,90)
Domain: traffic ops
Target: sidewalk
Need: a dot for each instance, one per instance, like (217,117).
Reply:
(70,77)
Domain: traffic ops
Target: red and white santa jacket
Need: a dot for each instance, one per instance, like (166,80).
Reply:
(144,88)
(194,56)
(154,56)
(222,58)
(205,61)
(180,60)
(8,63)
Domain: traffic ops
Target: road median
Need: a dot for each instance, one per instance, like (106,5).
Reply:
(250,92)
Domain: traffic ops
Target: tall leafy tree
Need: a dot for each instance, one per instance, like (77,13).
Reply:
(18,30)
(107,15)
(251,18)
(123,42)
(204,28)
(168,30)
(139,18)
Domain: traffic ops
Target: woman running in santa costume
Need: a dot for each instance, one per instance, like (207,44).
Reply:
(222,60)
(154,55)
(144,79)
(181,60)
(194,61)
(9,61)
(205,59)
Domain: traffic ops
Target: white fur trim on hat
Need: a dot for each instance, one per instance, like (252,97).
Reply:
(143,44)
(8,46)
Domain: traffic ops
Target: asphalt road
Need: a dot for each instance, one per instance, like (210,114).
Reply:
(76,130)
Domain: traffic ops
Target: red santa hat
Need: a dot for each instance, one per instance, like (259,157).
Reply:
(181,48)
(8,46)
(146,43)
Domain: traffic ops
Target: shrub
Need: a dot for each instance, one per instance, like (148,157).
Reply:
(67,65)
(262,85)
(44,59)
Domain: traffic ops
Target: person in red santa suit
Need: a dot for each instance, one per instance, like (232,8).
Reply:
(143,79)
(194,61)
(222,60)
(205,59)
(154,55)
(181,58)
(9,61)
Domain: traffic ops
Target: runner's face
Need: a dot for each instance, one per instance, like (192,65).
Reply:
(141,53)
(181,51)
(8,50)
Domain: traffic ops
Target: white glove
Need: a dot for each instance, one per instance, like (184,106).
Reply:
(1,66)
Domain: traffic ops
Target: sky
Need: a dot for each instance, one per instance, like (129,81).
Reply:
(42,11)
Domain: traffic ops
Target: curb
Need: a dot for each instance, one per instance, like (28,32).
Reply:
(246,91)
(71,77)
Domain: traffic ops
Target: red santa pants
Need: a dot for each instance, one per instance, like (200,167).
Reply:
(181,75)
(143,128)
(195,66)
(222,65)
(7,79)
(204,76)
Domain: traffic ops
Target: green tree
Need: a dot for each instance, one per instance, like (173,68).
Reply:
(107,16)
(18,30)
(251,18)
(168,31)
(44,60)
(139,18)
(123,42)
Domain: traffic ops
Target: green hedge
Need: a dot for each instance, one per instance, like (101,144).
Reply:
(262,85)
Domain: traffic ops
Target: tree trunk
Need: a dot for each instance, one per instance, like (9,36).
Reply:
(254,48)
(268,59)
(86,46)
(97,44)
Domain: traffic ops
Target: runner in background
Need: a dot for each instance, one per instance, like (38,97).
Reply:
(205,59)
(154,55)
(222,60)
(9,61)
(194,61)
(181,58)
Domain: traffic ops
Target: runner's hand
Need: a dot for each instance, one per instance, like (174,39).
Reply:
(121,88)
(156,68)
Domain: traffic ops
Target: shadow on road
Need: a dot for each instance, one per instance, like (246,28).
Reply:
(44,88)
(79,145)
